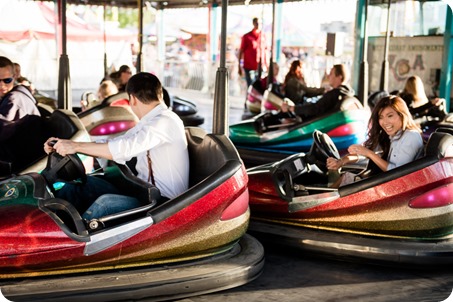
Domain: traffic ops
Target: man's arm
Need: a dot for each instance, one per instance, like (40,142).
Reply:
(326,103)
(239,62)
(64,147)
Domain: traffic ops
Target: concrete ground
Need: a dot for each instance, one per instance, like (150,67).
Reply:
(291,275)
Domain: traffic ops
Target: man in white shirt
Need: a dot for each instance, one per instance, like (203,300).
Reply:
(158,141)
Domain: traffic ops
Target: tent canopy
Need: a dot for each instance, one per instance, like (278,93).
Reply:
(38,20)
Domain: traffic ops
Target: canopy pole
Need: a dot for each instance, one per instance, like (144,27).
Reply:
(385,63)
(362,17)
(220,123)
(106,73)
(64,80)
(270,72)
(138,65)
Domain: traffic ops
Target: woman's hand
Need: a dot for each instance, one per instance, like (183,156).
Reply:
(286,107)
(357,149)
(437,101)
(333,163)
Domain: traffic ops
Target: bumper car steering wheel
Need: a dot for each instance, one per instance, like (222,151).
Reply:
(322,148)
(68,169)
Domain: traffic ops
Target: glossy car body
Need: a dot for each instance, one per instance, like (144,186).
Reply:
(41,235)
(404,215)
(270,136)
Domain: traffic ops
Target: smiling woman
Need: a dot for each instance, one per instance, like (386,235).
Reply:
(394,139)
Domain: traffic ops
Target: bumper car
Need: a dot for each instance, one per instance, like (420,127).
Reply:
(402,216)
(272,136)
(113,115)
(21,144)
(162,250)
(260,99)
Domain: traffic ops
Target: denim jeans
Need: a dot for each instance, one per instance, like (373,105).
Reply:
(83,195)
(109,204)
(250,76)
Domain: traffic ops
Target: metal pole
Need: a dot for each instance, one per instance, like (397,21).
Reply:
(105,44)
(139,62)
(64,80)
(270,74)
(447,61)
(363,73)
(385,63)
(220,114)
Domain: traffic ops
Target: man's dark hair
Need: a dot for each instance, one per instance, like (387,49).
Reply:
(5,62)
(146,87)
(340,70)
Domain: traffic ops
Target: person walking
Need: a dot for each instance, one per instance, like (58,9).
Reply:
(252,53)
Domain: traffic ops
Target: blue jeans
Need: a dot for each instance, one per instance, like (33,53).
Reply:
(83,195)
(250,76)
(110,204)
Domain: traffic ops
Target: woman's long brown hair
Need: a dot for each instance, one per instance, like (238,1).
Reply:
(292,71)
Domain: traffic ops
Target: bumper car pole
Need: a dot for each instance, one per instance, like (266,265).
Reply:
(64,78)
(220,114)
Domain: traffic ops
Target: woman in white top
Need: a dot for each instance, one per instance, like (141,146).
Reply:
(393,132)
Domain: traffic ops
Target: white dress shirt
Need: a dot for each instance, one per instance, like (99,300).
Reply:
(161,131)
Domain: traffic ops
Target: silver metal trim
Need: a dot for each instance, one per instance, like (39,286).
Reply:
(110,237)
(311,201)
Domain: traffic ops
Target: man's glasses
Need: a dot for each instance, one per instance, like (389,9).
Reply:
(7,80)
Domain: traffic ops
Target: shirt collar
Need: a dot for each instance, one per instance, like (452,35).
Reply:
(397,136)
(155,111)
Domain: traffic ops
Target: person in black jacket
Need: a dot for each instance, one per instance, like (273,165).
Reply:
(330,101)
(419,105)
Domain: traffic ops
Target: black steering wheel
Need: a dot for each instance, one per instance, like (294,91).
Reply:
(68,169)
(322,148)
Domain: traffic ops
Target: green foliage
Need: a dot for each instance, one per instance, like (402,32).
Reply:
(128,17)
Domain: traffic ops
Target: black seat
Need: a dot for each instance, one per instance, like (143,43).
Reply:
(207,154)
(129,184)
(61,125)
(21,143)
(213,160)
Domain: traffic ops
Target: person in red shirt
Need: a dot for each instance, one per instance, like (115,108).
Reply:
(252,53)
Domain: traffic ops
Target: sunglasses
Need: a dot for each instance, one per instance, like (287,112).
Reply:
(7,80)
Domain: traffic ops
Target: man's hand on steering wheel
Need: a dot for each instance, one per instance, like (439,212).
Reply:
(61,146)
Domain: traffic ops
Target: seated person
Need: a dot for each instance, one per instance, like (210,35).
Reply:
(392,132)
(121,77)
(330,100)
(158,142)
(262,84)
(18,110)
(16,101)
(415,97)
(295,87)
(106,89)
